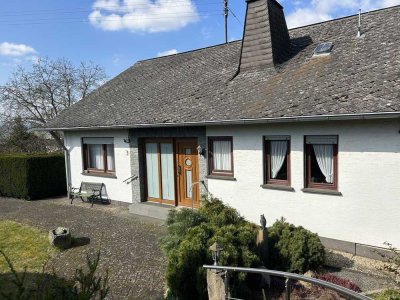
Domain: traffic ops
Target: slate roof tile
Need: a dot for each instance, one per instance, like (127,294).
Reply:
(361,75)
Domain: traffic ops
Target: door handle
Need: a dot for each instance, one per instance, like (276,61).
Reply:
(179,170)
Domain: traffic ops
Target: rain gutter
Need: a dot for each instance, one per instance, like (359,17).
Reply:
(311,118)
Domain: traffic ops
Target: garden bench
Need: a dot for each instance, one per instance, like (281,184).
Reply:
(89,190)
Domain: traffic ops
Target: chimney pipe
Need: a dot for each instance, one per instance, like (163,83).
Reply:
(359,23)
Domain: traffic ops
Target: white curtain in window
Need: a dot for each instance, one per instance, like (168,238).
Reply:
(167,171)
(110,158)
(222,155)
(278,155)
(96,156)
(324,156)
(153,190)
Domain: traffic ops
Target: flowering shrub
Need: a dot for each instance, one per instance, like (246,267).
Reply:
(332,278)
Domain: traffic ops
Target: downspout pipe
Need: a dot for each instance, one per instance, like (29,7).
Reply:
(67,161)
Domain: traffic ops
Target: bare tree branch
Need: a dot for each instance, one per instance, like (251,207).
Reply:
(42,93)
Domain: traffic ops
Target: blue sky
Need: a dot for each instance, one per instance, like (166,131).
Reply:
(117,33)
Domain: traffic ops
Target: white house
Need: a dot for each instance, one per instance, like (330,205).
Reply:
(301,123)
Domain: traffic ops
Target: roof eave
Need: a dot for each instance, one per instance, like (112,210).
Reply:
(311,118)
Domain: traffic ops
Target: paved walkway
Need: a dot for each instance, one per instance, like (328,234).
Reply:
(130,244)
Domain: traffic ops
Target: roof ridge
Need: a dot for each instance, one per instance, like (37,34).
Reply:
(291,29)
(190,51)
(346,17)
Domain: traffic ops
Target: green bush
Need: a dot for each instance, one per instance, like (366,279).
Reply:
(392,264)
(32,176)
(191,233)
(293,249)
(388,295)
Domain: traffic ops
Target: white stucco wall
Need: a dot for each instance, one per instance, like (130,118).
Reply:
(369,179)
(115,187)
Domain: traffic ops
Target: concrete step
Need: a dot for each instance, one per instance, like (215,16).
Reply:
(152,210)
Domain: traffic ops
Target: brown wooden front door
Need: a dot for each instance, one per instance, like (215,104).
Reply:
(187,173)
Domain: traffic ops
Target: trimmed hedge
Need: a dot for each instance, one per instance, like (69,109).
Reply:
(32,176)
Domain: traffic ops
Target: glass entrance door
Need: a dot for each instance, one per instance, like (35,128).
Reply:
(160,173)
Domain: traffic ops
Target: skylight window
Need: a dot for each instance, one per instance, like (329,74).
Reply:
(323,48)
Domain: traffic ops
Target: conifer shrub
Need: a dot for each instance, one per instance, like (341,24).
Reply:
(294,248)
(191,233)
(32,176)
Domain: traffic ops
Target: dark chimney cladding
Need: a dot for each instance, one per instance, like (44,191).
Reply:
(266,40)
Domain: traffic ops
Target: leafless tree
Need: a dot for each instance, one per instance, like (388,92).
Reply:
(40,94)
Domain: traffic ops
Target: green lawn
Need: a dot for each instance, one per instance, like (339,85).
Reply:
(25,246)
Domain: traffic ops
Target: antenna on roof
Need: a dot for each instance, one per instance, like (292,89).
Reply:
(359,23)
(226,11)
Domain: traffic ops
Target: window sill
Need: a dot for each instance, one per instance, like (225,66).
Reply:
(219,177)
(277,187)
(322,191)
(99,175)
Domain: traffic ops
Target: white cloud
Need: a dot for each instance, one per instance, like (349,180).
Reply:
(314,11)
(10,49)
(305,16)
(388,3)
(143,15)
(168,52)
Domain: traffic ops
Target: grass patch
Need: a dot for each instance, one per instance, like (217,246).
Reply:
(390,294)
(25,246)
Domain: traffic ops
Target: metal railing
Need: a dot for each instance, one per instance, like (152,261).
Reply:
(290,277)
(191,190)
(130,179)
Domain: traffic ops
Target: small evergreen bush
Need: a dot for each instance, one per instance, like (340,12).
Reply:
(293,249)
(32,176)
(191,233)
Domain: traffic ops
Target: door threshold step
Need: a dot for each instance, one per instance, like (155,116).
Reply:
(151,209)
(157,204)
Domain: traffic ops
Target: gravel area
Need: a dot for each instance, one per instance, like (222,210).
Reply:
(129,244)
(365,272)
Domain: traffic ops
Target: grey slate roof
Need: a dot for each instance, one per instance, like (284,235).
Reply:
(361,75)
